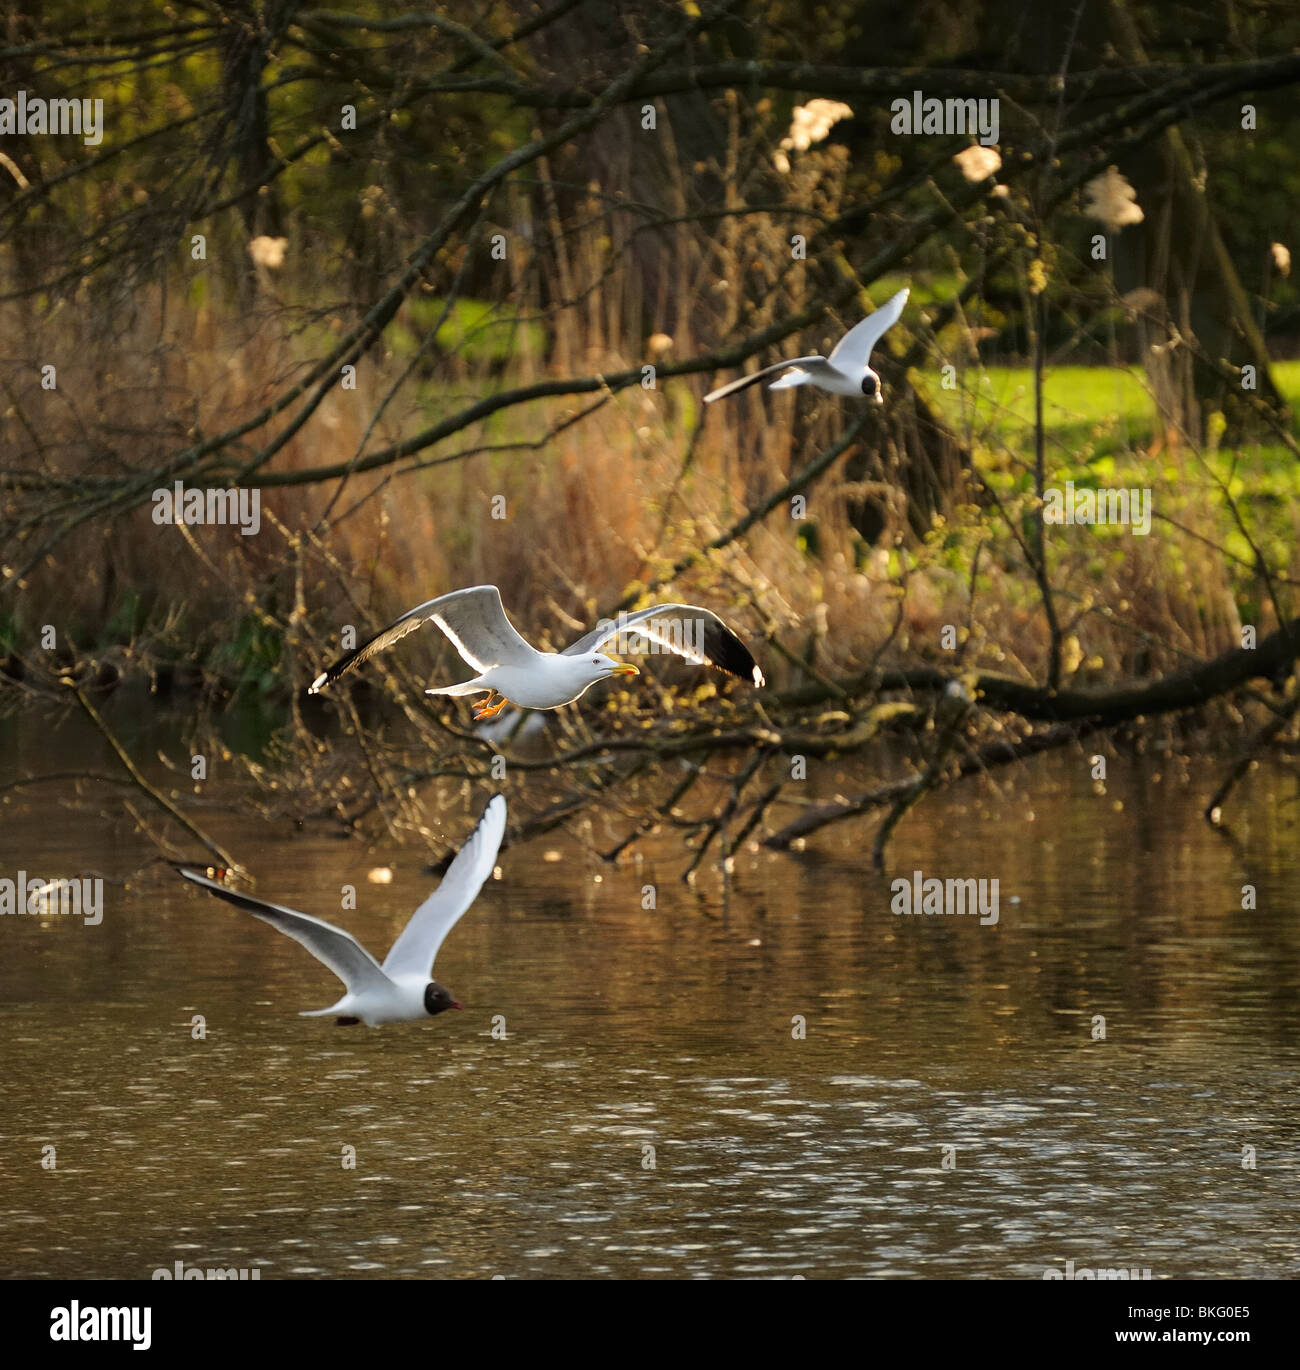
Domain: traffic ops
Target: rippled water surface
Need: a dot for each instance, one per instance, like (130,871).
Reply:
(651,1109)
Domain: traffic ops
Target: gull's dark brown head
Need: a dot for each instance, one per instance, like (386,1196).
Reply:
(437,998)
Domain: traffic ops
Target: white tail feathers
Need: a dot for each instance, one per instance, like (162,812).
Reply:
(467,687)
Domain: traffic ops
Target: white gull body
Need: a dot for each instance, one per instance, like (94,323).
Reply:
(847,371)
(399,991)
(476,624)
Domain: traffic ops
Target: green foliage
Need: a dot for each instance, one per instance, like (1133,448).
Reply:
(1093,410)
(252,657)
(478,332)
(127,618)
(1101,431)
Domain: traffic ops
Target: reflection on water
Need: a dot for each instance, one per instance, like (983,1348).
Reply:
(651,1110)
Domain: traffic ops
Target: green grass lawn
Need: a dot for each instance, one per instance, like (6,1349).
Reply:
(1100,424)
(1099,421)
(1088,410)
(1084,407)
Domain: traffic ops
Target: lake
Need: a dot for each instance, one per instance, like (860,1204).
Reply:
(772,1076)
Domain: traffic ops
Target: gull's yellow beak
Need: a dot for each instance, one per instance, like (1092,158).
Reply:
(626,669)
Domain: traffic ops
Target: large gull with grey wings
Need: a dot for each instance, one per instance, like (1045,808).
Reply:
(475,623)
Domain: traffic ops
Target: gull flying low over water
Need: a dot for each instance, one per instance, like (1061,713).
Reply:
(844,372)
(399,991)
(479,630)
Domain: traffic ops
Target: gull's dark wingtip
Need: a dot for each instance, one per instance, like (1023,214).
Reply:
(331,673)
(729,654)
(383,639)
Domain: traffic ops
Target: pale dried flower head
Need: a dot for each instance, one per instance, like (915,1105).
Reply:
(1112,201)
(809,124)
(1143,300)
(978,163)
(268,252)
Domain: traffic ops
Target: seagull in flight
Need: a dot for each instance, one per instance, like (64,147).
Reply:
(844,372)
(476,623)
(399,991)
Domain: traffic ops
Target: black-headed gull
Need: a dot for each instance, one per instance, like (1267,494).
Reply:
(845,372)
(478,628)
(399,991)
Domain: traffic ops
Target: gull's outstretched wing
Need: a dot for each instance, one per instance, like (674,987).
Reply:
(853,351)
(807,363)
(331,946)
(688,631)
(417,945)
(473,619)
